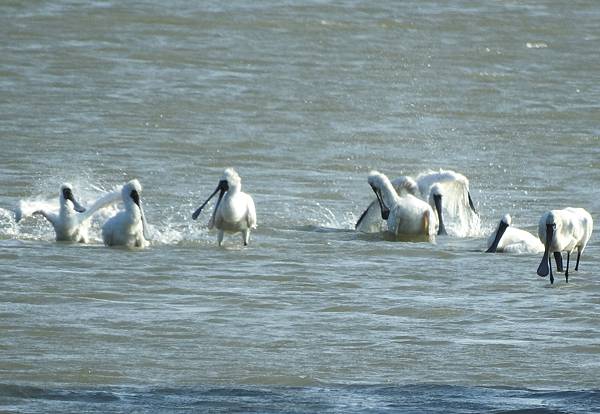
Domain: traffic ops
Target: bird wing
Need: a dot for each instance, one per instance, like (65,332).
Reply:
(251,213)
(51,217)
(458,210)
(370,220)
(444,178)
(104,201)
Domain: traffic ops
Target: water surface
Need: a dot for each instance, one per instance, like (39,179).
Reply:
(303,99)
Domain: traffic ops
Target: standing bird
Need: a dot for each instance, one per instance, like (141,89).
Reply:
(234,211)
(72,221)
(509,239)
(127,227)
(406,214)
(563,231)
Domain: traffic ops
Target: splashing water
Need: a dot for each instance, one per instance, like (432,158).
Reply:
(26,208)
(27,226)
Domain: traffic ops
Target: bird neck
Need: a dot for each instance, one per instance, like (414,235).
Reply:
(66,209)
(133,209)
(388,192)
(234,189)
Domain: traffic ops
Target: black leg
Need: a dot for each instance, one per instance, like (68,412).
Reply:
(559,262)
(578,256)
(551,275)
(567,271)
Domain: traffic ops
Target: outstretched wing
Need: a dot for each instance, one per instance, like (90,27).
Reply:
(51,217)
(444,178)
(405,185)
(459,211)
(26,208)
(104,201)
(370,220)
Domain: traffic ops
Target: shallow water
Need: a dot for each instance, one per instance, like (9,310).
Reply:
(303,100)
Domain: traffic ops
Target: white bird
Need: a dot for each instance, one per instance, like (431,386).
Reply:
(72,221)
(234,211)
(128,227)
(370,220)
(509,239)
(447,192)
(406,214)
(563,230)
(459,212)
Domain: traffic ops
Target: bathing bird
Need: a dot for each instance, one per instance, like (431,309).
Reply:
(234,211)
(370,220)
(509,239)
(72,221)
(563,230)
(448,194)
(455,202)
(435,202)
(128,227)
(406,214)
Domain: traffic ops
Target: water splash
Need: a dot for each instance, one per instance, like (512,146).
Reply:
(25,225)
(464,222)
(26,208)
(322,216)
(177,227)
(8,225)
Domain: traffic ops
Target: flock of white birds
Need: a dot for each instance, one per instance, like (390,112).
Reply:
(429,204)
(433,203)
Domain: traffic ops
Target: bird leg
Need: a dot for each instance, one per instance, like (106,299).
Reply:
(559,261)
(567,271)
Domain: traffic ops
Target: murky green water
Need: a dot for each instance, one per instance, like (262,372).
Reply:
(303,100)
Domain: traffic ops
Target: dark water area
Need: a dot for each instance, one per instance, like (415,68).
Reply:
(323,399)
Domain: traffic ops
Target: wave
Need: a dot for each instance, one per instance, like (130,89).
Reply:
(326,398)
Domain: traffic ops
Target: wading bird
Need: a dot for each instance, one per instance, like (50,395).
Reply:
(406,215)
(447,192)
(509,239)
(128,227)
(234,211)
(563,230)
(72,221)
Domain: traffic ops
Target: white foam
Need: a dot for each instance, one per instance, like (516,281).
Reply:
(27,226)
(8,225)
(322,216)
(536,45)
(26,208)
